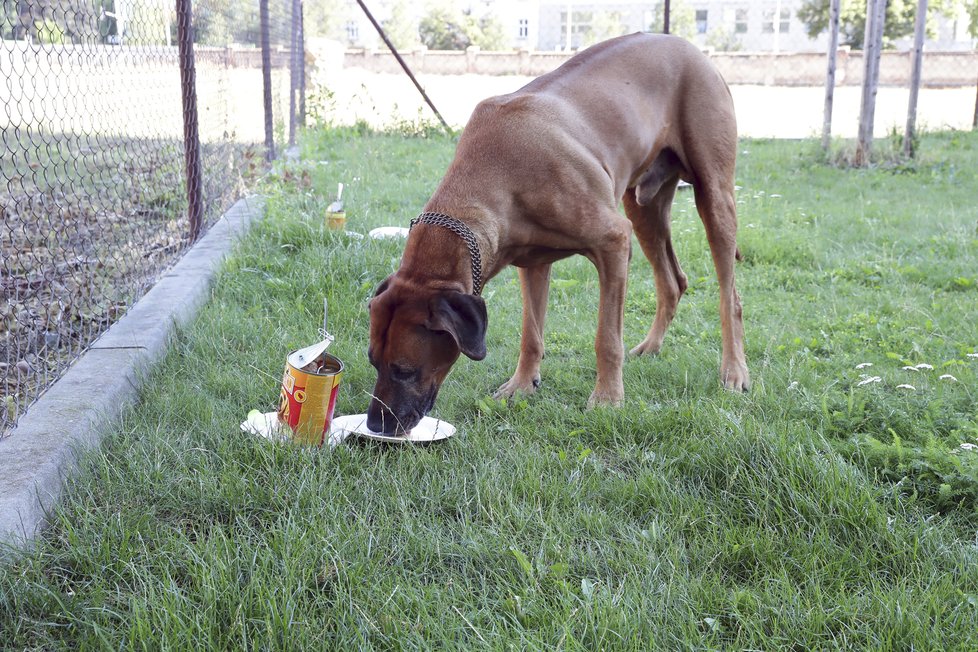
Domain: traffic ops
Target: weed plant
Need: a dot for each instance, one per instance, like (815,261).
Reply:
(835,505)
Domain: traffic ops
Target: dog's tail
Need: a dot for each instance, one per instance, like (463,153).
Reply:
(739,256)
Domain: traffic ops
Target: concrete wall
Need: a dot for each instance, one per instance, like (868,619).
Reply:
(765,68)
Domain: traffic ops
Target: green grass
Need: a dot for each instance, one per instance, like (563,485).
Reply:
(813,512)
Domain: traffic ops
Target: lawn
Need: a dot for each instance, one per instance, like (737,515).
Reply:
(833,506)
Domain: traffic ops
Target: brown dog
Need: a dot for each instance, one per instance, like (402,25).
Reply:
(537,177)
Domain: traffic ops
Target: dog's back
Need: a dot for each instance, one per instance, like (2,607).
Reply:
(630,91)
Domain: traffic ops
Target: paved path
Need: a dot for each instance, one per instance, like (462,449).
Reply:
(762,111)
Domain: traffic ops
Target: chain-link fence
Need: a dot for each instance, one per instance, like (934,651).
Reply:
(98,133)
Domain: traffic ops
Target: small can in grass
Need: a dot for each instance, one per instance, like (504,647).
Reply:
(309,397)
(335,215)
(336,219)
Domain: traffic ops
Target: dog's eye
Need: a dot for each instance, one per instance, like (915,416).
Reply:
(402,373)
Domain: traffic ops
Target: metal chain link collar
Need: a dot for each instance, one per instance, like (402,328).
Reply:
(461,230)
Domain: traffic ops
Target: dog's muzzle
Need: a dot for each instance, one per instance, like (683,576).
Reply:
(381,418)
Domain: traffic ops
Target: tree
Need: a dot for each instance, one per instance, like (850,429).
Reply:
(900,15)
(604,25)
(328,18)
(487,32)
(723,39)
(401,28)
(50,21)
(682,19)
(9,20)
(49,32)
(443,29)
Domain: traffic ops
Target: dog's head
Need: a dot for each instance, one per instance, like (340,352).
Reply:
(416,336)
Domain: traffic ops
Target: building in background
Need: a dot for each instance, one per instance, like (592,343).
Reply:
(561,25)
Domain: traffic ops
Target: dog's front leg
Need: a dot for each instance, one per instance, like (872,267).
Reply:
(611,262)
(535,288)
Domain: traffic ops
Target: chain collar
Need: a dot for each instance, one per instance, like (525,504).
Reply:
(461,230)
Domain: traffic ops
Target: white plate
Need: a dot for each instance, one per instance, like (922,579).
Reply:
(428,429)
(389,232)
(268,426)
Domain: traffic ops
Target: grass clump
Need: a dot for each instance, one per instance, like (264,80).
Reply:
(828,508)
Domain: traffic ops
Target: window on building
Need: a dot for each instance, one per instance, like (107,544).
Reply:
(580,27)
(352,31)
(740,21)
(524,28)
(701,21)
(767,25)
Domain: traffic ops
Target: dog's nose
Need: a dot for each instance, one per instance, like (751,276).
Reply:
(380,419)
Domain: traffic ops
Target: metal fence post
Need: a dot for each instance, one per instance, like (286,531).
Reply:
(872,42)
(974,120)
(830,73)
(403,63)
(293,69)
(302,64)
(266,73)
(191,137)
(916,63)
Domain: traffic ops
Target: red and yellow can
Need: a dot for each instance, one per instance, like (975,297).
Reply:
(308,399)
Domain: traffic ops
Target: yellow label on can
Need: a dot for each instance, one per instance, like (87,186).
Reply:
(308,401)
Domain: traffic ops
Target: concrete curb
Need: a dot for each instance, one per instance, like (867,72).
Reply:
(74,413)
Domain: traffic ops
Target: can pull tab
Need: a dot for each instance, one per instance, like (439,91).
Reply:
(305,356)
(337,205)
(324,333)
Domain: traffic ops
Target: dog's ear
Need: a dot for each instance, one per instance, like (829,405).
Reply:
(380,288)
(383,285)
(464,317)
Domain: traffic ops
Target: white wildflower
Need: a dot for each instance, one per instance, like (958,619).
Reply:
(969,447)
(863,365)
(793,385)
(924,365)
(973,355)
(868,380)
(949,377)
(910,387)
(911,369)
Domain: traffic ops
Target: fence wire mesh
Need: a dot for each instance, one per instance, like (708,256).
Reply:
(94,195)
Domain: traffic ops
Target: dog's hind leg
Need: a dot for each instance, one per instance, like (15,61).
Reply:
(535,288)
(651,223)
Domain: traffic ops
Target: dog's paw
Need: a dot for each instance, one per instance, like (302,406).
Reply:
(644,349)
(647,347)
(735,377)
(517,385)
(611,398)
